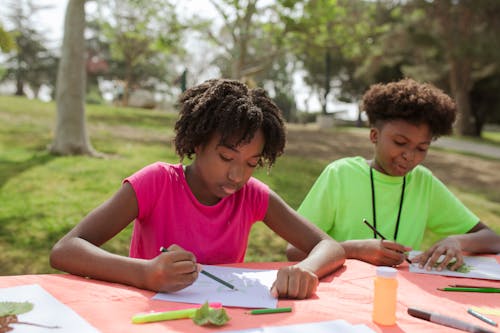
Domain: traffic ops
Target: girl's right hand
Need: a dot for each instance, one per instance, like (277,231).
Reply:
(172,270)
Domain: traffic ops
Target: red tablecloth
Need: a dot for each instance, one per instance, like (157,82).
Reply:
(347,295)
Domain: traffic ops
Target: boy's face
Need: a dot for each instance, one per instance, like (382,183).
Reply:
(399,146)
(220,170)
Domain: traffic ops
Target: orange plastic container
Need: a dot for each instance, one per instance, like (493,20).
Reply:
(385,296)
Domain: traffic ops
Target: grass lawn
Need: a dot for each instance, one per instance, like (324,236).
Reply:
(43,196)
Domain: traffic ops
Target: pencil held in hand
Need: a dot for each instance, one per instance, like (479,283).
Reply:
(381,236)
(210,275)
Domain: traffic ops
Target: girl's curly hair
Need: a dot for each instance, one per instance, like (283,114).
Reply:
(409,100)
(230,108)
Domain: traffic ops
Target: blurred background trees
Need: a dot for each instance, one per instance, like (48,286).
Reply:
(335,48)
(28,61)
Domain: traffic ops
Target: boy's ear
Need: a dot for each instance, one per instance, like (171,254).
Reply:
(374,134)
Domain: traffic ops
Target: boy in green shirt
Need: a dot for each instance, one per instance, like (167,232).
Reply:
(397,195)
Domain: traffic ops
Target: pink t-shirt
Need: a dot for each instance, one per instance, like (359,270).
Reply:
(169,213)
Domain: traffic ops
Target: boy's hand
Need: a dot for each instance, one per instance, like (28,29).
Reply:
(376,251)
(294,282)
(440,255)
(172,270)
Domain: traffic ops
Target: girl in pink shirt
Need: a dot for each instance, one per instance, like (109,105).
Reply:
(202,212)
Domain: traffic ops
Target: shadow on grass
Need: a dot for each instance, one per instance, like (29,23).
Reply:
(25,247)
(9,168)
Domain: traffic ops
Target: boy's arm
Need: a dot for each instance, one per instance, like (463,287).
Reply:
(480,239)
(376,252)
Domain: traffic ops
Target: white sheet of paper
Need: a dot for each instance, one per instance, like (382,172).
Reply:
(480,268)
(337,326)
(253,288)
(47,311)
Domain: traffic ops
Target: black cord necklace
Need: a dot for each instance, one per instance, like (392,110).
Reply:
(373,205)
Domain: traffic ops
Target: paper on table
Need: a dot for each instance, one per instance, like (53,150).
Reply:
(253,288)
(337,326)
(47,311)
(480,268)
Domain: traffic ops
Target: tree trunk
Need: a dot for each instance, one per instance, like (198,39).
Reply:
(466,123)
(19,87)
(456,21)
(70,135)
(326,86)
(460,82)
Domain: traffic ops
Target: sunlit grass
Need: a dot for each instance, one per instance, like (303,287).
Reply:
(492,137)
(44,196)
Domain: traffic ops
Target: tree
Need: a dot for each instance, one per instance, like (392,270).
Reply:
(29,62)
(6,40)
(245,39)
(453,44)
(143,37)
(329,37)
(71,135)
(278,79)
(465,30)
(485,100)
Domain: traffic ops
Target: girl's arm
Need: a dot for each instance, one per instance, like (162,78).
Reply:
(324,255)
(79,252)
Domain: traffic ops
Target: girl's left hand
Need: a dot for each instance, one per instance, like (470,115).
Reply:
(449,248)
(294,282)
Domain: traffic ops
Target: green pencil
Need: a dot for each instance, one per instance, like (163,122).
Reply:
(476,290)
(266,311)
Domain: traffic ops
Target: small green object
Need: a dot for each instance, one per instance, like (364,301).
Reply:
(464,268)
(160,316)
(15,308)
(201,316)
(207,315)
(266,311)
(477,290)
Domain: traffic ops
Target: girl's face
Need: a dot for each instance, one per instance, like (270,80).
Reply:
(399,146)
(220,170)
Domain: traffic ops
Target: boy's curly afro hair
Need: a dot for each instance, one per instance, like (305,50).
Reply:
(230,108)
(409,100)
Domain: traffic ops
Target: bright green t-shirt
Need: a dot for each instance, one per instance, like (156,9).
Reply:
(341,198)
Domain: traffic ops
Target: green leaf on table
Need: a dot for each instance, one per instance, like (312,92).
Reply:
(9,312)
(207,315)
(14,308)
(464,268)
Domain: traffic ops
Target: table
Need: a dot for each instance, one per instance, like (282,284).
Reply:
(347,294)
